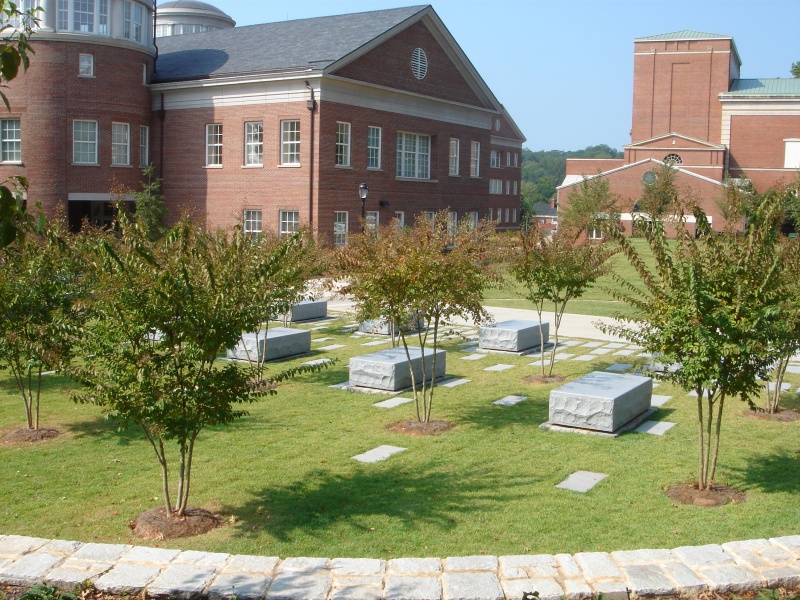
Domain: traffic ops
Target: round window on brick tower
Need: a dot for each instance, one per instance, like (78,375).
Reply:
(673,159)
(419,63)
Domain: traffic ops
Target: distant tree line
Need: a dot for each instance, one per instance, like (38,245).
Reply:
(543,170)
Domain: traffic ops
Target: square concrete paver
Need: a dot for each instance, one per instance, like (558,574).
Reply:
(340,386)
(392,402)
(619,368)
(321,340)
(474,357)
(655,427)
(586,357)
(510,400)
(569,343)
(563,356)
(331,347)
(601,351)
(500,367)
(319,361)
(658,400)
(593,344)
(455,383)
(376,343)
(615,345)
(581,481)
(793,369)
(624,352)
(785,387)
(377,454)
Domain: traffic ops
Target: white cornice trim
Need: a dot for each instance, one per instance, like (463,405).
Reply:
(249,78)
(638,163)
(507,142)
(677,135)
(47,36)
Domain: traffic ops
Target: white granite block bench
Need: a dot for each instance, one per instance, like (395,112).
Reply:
(306,310)
(602,402)
(516,335)
(388,369)
(280,342)
(382,326)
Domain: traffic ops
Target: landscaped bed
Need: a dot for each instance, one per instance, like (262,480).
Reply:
(285,484)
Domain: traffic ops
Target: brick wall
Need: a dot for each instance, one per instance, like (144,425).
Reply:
(50,95)
(757,144)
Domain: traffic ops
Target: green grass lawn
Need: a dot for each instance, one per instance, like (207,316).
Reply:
(284,479)
(597,300)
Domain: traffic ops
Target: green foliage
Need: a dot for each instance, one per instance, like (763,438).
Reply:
(795,70)
(428,271)
(150,207)
(45,592)
(544,170)
(41,315)
(589,204)
(711,305)
(163,312)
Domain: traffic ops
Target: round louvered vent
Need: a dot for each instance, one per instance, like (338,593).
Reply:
(419,63)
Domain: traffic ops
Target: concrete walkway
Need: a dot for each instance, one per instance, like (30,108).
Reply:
(122,569)
(583,326)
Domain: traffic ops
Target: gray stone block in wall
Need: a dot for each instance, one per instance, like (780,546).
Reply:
(280,342)
(388,369)
(516,335)
(600,401)
(306,310)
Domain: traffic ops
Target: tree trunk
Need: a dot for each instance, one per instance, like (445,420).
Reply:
(701,473)
(411,371)
(433,367)
(709,427)
(774,397)
(716,440)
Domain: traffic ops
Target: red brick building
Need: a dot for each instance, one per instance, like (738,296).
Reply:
(691,109)
(272,126)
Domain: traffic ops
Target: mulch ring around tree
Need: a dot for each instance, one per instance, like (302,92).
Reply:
(156,524)
(414,427)
(718,495)
(29,436)
(543,379)
(785,415)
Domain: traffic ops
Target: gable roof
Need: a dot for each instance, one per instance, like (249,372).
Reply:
(763,87)
(304,44)
(688,34)
(699,142)
(570,180)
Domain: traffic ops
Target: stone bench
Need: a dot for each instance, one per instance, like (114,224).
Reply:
(516,335)
(388,369)
(601,401)
(281,342)
(381,326)
(306,310)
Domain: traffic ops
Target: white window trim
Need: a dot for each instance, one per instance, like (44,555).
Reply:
(372,214)
(400,218)
(92,142)
(340,238)
(89,63)
(16,140)
(253,225)
(290,148)
(342,149)
(217,163)
(495,186)
(422,160)
(116,146)
(454,157)
(473,219)
(791,159)
(144,145)
(283,219)
(253,150)
(475,159)
(508,187)
(377,148)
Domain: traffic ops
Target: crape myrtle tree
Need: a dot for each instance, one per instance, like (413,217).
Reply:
(434,270)
(41,308)
(163,312)
(711,305)
(560,267)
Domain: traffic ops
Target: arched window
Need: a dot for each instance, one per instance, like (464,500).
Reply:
(673,159)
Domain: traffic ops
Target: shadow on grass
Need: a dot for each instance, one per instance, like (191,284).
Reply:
(436,496)
(773,473)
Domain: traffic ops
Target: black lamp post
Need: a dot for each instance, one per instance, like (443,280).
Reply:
(363,190)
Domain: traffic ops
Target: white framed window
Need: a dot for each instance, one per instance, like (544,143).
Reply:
(342,144)
(454,152)
(22,6)
(341,226)
(594,233)
(508,159)
(374,135)
(473,220)
(430,216)
(475,159)
(10,141)
(491,215)
(495,186)
(290,142)
(791,158)
(254,144)
(214,145)
(413,155)
(83,16)
(289,222)
(508,187)
(373,219)
(508,211)
(144,145)
(513,215)
(120,144)
(499,215)
(133,21)
(78,16)
(516,188)
(494,158)
(84,142)
(400,218)
(452,222)
(516,159)
(252,223)
(102,17)
(86,65)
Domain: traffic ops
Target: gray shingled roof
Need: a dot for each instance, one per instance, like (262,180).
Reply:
(686,34)
(270,47)
(764,87)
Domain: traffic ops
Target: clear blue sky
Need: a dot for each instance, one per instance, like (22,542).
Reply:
(564,68)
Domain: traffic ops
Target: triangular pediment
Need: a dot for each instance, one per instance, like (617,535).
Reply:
(673,141)
(386,61)
(642,165)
